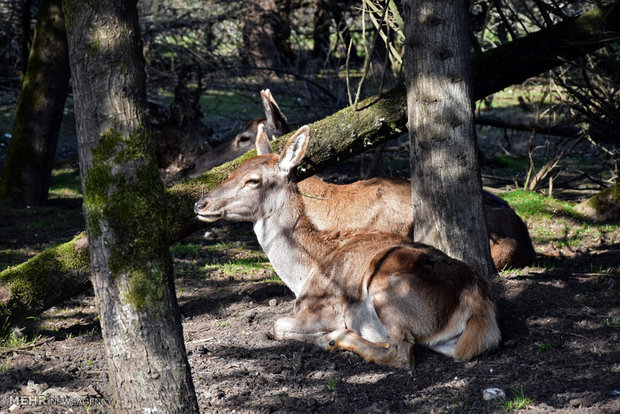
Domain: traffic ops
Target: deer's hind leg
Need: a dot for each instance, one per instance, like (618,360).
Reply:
(398,355)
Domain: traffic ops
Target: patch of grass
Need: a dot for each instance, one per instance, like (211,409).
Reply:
(543,346)
(459,404)
(512,162)
(230,102)
(15,337)
(612,322)
(217,247)
(66,183)
(238,266)
(529,204)
(271,279)
(332,384)
(518,402)
(186,270)
(185,249)
(4,368)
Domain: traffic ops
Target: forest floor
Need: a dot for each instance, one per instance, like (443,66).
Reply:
(560,323)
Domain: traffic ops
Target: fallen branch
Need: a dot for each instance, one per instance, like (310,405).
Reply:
(523,125)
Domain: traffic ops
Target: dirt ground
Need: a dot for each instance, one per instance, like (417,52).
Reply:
(560,351)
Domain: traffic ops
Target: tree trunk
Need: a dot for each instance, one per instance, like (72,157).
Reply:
(445,175)
(336,138)
(124,204)
(264,33)
(320,30)
(604,206)
(27,170)
(25,34)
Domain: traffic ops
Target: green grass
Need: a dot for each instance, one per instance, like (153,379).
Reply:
(518,402)
(332,384)
(236,267)
(517,163)
(66,183)
(529,204)
(186,250)
(612,323)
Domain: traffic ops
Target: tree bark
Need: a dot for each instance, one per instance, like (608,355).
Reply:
(445,175)
(320,30)
(27,170)
(336,138)
(265,32)
(124,205)
(604,206)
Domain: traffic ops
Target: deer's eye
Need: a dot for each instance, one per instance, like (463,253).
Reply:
(252,182)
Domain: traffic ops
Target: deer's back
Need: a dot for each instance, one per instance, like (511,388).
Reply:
(380,204)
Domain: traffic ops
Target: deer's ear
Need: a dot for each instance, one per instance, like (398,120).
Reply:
(262,141)
(266,97)
(295,149)
(276,120)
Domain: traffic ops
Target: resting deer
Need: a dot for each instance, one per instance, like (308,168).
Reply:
(376,294)
(384,204)
(275,123)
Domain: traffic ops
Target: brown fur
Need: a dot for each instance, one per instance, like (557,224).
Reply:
(384,204)
(374,293)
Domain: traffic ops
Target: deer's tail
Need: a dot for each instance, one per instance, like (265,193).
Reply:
(481,331)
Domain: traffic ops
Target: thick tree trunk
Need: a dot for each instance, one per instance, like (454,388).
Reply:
(26,173)
(265,32)
(337,137)
(445,175)
(124,203)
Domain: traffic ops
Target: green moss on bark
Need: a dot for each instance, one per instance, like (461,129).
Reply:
(124,193)
(58,273)
(605,206)
(71,8)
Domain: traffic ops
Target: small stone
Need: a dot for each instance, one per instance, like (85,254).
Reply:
(490,394)
(581,402)
(273,302)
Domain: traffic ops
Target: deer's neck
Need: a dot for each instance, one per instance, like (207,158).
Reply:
(290,241)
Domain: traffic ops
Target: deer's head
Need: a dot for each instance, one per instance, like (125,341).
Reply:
(258,188)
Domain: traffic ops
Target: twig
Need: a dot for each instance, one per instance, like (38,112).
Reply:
(368,56)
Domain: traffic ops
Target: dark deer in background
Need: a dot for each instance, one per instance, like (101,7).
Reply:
(376,294)
(275,123)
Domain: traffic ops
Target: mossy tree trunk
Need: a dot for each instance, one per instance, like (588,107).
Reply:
(124,204)
(336,138)
(27,170)
(604,206)
(447,194)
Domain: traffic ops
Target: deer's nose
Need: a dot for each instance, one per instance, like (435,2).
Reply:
(200,204)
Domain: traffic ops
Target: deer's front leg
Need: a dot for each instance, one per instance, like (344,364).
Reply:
(293,328)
